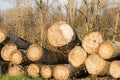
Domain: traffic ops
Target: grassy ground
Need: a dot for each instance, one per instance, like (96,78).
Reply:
(25,77)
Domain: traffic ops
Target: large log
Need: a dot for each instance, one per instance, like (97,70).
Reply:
(16,70)
(96,65)
(114,69)
(8,37)
(47,71)
(6,51)
(36,53)
(62,36)
(33,70)
(91,41)
(109,49)
(77,56)
(67,71)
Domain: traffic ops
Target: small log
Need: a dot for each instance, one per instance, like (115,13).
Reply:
(33,70)
(6,51)
(114,69)
(16,70)
(3,35)
(12,38)
(91,41)
(96,65)
(109,49)
(47,71)
(77,56)
(67,71)
(36,53)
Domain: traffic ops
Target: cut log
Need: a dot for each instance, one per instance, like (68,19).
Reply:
(21,43)
(96,65)
(109,49)
(67,71)
(60,34)
(6,51)
(91,41)
(3,35)
(47,71)
(114,69)
(77,56)
(38,54)
(33,70)
(16,70)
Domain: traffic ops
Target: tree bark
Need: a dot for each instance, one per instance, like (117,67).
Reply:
(77,56)
(21,43)
(114,69)
(67,71)
(3,67)
(91,41)
(96,65)
(36,53)
(109,49)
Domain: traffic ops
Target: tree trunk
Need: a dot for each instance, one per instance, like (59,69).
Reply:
(66,71)
(33,70)
(77,56)
(6,51)
(114,69)
(16,70)
(109,49)
(62,35)
(96,65)
(91,41)
(47,71)
(21,43)
(36,53)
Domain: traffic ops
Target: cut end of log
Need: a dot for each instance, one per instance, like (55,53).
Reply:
(3,35)
(34,52)
(15,71)
(114,69)
(33,70)
(91,42)
(60,72)
(77,56)
(95,64)
(6,51)
(60,34)
(106,50)
(16,57)
(46,72)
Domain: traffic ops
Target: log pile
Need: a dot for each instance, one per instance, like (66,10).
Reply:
(93,55)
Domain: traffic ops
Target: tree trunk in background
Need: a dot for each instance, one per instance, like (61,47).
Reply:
(109,49)
(96,65)
(91,41)
(36,53)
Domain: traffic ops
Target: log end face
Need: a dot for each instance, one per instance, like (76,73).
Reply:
(91,42)
(33,70)
(114,69)
(77,56)
(3,35)
(60,34)
(6,51)
(60,72)
(95,64)
(16,57)
(46,72)
(34,52)
(106,50)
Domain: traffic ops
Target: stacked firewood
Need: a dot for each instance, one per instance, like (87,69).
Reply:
(90,56)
